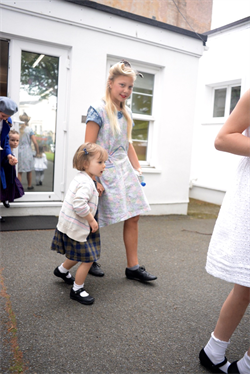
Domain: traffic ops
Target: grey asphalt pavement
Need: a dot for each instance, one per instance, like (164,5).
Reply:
(132,327)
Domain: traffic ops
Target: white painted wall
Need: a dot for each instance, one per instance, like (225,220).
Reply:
(227,60)
(90,37)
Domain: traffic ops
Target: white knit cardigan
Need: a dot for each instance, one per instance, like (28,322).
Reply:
(81,198)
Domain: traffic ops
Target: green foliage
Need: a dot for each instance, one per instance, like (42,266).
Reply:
(42,78)
(50,156)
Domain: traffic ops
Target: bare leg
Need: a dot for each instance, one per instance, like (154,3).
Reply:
(130,237)
(232,312)
(82,272)
(29,178)
(20,176)
(68,264)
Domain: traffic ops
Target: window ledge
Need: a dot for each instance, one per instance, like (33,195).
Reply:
(150,170)
(219,121)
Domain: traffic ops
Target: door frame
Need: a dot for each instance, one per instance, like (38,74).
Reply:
(16,46)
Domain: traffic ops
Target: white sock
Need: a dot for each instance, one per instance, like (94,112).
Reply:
(62,270)
(244,364)
(77,287)
(215,350)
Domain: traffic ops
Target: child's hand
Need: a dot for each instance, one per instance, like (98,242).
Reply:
(139,171)
(94,225)
(100,188)
(12,160)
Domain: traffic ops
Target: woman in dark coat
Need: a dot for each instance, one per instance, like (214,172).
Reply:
(7,108)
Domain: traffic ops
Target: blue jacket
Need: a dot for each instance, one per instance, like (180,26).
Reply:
(6,148)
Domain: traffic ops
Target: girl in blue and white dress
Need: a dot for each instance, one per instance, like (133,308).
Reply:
(228,255)
(109,123)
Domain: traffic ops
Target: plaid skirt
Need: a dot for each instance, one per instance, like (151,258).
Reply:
(88,251)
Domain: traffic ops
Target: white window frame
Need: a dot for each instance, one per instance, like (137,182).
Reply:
(228,98)
(154,70)
(208,109)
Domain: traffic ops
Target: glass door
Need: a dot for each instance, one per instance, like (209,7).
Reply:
(38,85)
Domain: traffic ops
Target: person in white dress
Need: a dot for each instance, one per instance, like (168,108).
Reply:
(228,255)
(40,164)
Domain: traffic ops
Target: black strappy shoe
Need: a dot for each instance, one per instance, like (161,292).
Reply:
(207,363)
(233,368)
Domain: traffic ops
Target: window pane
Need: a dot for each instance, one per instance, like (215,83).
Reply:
(219,102)
(142,95)
(37,111)
(145,84)
(140,138)
(235,96)
(141,104)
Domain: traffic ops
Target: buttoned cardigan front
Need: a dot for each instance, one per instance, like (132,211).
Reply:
(81,198)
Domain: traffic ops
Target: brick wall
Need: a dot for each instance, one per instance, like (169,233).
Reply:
(197,12)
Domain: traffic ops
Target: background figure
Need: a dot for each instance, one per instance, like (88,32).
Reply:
(25,152)
(14,188)
(109,124)
(7,108)
(228,255)
(40,164)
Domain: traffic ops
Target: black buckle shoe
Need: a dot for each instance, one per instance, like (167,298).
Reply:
(96,270)
(207,363)
(139,274)
(233,368)
(6,204)
(64,276)
(75,295)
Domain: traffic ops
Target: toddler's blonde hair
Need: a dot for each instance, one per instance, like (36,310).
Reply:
(84,154)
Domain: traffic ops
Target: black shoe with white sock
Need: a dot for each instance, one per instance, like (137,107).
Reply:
(208,364)
(81,296)
(70,280)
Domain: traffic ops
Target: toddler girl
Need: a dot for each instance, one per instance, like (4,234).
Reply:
(77,234)
(40,164)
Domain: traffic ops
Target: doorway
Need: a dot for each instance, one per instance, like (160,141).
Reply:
(38,84)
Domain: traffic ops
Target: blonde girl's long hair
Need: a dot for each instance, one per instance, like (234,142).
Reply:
(120,68)
(25,119)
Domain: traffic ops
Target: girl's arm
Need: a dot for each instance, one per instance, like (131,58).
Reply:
(81,205)
(91,133)
(33,138)
(133,158)
(230,138)
(7,151)
(92,222)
